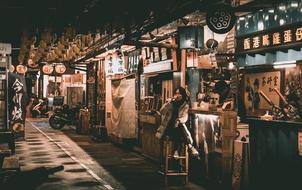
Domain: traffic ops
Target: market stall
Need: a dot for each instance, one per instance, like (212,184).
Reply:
(270,55)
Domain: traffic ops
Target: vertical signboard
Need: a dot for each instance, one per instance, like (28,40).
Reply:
(17,100)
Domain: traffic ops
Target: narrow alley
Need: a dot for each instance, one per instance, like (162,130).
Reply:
(87,164)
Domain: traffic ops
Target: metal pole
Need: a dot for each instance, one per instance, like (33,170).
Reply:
(95,97)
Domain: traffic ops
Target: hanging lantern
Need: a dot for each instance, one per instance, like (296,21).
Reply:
(21,69)
(60,68)
(31,63)
(11,68)
(47,69)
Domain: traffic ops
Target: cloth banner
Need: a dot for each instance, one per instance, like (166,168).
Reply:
(124,115)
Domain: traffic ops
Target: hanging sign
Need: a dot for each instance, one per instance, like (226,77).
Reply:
(191,37)
(280,38)
(60,68)
(17,97)
(114,64)
(221,20)
(21,69)
(5,48)
(47,69)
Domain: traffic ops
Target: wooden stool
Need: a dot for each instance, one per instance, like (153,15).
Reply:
(182,159)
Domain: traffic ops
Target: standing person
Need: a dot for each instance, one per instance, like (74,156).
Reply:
(174,116)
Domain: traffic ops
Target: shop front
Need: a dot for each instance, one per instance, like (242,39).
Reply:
(269,53)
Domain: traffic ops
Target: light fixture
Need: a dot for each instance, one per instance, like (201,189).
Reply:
(189,42)
(231,66)
(282,22)
(271,10)
(294,4)
(285,64)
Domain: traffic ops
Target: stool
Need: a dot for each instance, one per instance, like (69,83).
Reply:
(183,162)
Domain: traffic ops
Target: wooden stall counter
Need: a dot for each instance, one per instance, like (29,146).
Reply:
(149,143)
(217,131)
(275,146)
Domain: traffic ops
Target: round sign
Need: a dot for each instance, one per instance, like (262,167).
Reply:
(47,69)
(31,63)
(21,69)
(221,20)
(60,68)
(11,68)
(212,43)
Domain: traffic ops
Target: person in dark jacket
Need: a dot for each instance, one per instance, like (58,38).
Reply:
(174,116)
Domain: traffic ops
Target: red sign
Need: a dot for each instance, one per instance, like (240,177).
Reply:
(21,69)
(47,69)
(60,68)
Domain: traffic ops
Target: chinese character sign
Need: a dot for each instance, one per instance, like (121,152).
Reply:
(114,64)
(265,82)
(277,38)
(17,102)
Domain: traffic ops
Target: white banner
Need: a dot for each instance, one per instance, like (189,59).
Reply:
(5,48)
(124,115)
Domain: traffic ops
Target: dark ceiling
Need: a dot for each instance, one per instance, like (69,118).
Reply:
(84,15)
(89,15)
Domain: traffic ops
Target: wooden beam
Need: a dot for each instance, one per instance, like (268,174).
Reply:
(150,44)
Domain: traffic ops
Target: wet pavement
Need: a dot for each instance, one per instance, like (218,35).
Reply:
(88,164)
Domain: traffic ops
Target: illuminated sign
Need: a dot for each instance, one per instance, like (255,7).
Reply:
(281,38)
(60,68)
(162,66)
(47,69)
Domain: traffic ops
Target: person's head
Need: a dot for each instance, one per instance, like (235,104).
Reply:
(180,94)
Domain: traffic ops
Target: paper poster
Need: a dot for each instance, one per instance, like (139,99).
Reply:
(114,64)
(258,84)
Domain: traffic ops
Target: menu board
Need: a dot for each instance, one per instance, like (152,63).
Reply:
(264,82)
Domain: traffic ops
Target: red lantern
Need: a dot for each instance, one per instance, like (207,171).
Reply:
(31,63)
(60,68)
(47,69)
(21,69)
